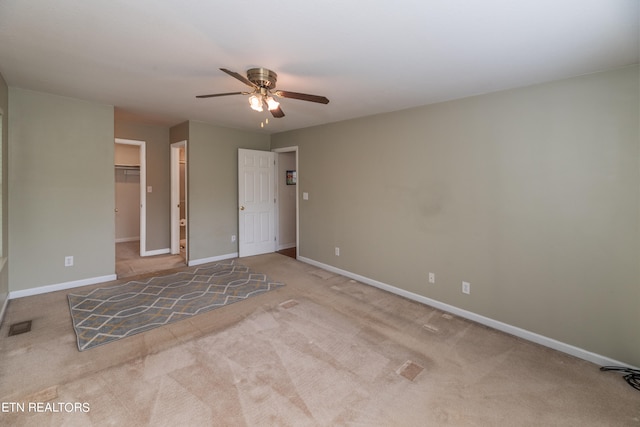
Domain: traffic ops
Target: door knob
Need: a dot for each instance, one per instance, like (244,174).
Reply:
(241,208)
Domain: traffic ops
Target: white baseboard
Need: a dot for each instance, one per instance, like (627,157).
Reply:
(504,327)
(127,239)
(102,279)
(61,286)
(286,246)
(157,252)
(212,259)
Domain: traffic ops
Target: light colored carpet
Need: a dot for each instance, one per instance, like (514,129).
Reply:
(317,352)
(129,263)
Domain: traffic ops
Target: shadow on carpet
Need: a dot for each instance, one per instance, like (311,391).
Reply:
(108,314)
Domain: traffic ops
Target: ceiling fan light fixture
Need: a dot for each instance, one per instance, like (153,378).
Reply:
(263,84)
(272,104)
(255,101)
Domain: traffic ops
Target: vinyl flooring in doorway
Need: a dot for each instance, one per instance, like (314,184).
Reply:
(290,252)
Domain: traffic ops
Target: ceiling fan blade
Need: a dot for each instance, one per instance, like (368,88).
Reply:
(277,112)
(302,96)
(240,77)
(220,94)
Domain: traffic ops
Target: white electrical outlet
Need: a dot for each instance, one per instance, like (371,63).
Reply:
(233,237)
(68,261)
(432,278)
(466,287)
(337,251)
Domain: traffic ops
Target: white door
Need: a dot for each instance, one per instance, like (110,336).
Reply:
(256,202)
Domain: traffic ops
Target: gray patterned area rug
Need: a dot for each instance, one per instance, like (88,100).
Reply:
(108,314)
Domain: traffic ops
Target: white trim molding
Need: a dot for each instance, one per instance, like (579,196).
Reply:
(61,286)
(495,324)
(127,239)
(212,259)
(175,198)
(157,252)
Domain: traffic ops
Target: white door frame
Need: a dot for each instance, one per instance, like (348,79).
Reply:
(175,198)
(143,187)
(279,176)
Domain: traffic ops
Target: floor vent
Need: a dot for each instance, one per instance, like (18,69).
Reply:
(20,328)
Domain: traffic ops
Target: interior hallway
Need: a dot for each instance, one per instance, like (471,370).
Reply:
(323,350)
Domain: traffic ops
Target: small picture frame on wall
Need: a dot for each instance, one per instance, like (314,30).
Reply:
(292,177)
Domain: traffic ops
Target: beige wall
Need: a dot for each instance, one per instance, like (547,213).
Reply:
(127,155)
(531,195)
(61,189)
(179,133)
(4,140)
(158,155)
(212,181)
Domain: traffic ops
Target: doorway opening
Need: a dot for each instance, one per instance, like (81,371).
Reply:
(179,212)
(130,181)
(287,206)
(132,256)
(265,226)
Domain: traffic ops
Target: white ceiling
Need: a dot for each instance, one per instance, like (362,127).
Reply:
(149,58)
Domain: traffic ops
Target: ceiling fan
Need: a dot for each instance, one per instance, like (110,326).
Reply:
(263,83)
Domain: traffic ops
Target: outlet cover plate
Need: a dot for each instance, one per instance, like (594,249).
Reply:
(466,287)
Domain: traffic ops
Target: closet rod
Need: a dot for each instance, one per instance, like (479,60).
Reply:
(130,167)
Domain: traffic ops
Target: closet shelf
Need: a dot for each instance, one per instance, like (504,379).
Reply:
(128,169)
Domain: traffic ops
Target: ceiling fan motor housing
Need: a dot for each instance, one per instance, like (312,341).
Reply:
(262,77)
